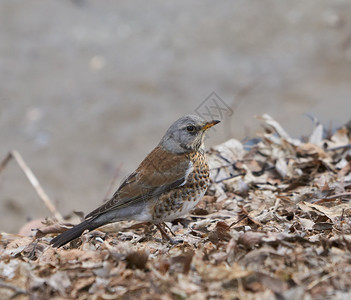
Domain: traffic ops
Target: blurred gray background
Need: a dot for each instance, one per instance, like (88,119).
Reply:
(89,87)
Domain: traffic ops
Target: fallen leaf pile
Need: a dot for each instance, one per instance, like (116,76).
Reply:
(274,224)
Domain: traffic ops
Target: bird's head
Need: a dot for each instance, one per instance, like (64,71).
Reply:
(186,134)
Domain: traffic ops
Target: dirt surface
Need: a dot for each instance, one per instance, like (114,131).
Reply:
(87,87)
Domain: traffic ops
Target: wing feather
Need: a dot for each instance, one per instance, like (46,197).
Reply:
(160,171)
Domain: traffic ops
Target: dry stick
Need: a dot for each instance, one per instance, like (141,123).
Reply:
(229,177)
(339,147)
(321,279)
(5,161)
(337,196)
(237,222)
(33,180)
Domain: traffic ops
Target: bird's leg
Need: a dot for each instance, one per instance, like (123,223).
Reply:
(164,234)
(170,230)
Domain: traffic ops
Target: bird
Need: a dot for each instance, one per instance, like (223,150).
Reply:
(167,184)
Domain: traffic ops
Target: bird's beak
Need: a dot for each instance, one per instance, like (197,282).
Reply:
(210,124)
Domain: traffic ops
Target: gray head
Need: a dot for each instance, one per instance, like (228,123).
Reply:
(186,134)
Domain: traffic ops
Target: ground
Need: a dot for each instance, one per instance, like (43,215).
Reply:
(88,87)
(274,224)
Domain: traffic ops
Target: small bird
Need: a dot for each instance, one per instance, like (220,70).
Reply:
(167,185)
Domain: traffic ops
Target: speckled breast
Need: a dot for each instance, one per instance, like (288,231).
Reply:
(181,200)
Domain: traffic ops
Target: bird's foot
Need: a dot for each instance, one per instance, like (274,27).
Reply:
(165,236)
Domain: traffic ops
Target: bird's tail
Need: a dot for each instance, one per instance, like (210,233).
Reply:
(74,232)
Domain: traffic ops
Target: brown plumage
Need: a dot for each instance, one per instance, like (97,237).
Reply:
(168,183)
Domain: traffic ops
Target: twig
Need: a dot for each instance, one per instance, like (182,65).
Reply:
(229,177)
(5,161)
(33,180)
(171,231)
(339,147)
(237,222)
(338,196)
(330,198)
(257,173)
(321,279)
(224,166)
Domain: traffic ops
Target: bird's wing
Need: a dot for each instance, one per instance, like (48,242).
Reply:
(160,171)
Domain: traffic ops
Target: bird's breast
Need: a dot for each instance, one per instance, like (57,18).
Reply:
(181,200)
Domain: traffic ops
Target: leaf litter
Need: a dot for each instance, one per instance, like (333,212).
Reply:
(274,224)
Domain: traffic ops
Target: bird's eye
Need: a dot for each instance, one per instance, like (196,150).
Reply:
(190,128)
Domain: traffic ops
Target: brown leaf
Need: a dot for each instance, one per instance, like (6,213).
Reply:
(331,212)
(250,239)
(80,284)
(184,259)
(27,229)
(137,260)
(311,150)
(34,250)
(55,228)
(321,226)
(198,211)
(220,233)
(260,281)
